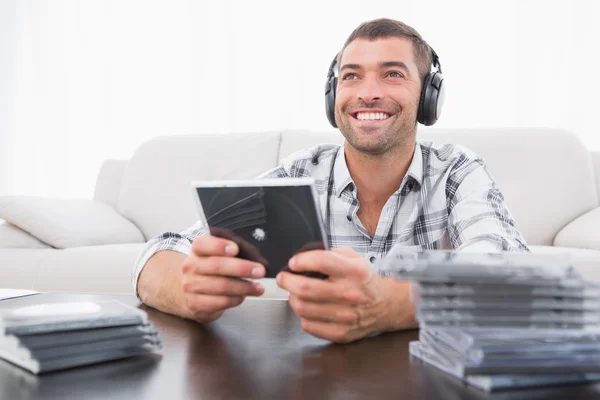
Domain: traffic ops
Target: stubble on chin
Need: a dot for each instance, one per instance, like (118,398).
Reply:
(392,137)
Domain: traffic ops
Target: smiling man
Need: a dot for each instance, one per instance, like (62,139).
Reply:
(383,188)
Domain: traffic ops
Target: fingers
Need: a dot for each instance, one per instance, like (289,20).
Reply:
(224,243)
(223,266)
(325,312)
(325,262)
(317,290)
(217,285)
(335,264)
(207,245)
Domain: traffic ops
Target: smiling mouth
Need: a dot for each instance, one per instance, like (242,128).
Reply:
(374,116)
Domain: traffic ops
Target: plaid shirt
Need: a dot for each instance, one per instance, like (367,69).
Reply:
(447,200)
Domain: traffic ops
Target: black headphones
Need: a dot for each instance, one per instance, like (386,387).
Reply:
(430,104)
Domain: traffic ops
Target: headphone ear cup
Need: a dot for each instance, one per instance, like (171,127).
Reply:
(330,89)
(422,113)
(432,99)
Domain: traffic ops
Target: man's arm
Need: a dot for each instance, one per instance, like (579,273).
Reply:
(160,284)
(157,273)
(478,218)
(180,243)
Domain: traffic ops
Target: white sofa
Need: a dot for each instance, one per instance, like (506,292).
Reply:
(549,179)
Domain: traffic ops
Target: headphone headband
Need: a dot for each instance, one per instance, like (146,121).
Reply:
(435,60)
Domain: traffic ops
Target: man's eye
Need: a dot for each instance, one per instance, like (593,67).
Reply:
(394,74)
(349,77)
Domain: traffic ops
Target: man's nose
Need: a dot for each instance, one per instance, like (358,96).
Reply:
(370,90)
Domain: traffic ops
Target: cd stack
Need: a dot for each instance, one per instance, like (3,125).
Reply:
(502,320)
(53,336)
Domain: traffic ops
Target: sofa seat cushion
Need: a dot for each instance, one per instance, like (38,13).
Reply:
(19,267)
(586,261)
(90,269)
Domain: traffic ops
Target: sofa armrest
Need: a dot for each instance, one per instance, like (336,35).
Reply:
(581,233)
(64,223)
(13,237)
(108,183)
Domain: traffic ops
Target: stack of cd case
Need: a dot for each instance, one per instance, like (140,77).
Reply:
(502,320)
(498,359)
(496,289)
(55,336)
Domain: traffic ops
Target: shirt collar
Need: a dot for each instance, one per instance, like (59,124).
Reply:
(341,174)
(342,178)
(415,169)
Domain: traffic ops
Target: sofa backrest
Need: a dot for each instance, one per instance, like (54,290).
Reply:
(545,175)
(155,192)
(108,182)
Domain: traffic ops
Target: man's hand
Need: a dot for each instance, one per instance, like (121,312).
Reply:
(352,303)
(212,278)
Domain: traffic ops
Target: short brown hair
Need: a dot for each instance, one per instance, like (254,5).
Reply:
(386,28)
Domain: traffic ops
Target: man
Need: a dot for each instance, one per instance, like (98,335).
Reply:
(385,189)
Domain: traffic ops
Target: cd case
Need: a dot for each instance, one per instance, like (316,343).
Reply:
(490,383)
(512,303)
(508,316)
(55,317)
(533,363)
(508,356)
(51,336)
(514,268)
(271,220)
(473,342)
(583,291)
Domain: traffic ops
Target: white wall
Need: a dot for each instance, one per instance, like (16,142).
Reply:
(93,79)
(8,51)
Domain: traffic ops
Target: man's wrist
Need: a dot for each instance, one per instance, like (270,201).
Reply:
(400,309)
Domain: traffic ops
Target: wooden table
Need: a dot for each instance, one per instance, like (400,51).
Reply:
(255,351)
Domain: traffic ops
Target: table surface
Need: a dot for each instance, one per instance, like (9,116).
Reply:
(255,351)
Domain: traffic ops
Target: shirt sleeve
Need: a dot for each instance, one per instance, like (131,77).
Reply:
(182,242)
(478,219)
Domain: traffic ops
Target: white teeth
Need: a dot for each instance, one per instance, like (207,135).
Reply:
(372,116)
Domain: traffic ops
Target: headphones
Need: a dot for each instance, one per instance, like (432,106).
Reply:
(432,98)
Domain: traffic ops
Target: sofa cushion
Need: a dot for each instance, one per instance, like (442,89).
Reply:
(582,233)
(546,175)
(93,269)
(586,261)
(19,267)
(64,223)
(108,183)
(13,237)
(156,192)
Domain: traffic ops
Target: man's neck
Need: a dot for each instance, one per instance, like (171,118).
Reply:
(378,177)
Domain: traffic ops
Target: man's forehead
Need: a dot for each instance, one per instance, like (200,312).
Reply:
(365,52)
